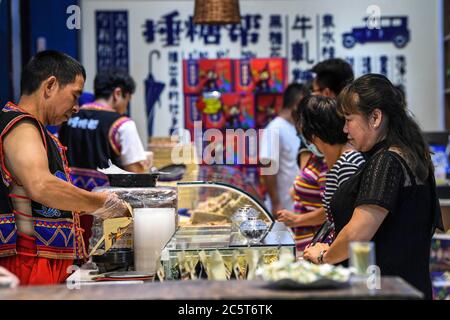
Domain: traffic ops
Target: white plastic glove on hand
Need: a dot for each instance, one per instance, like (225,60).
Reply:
(113,207)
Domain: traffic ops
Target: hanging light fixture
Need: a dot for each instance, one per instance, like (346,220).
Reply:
(217,12)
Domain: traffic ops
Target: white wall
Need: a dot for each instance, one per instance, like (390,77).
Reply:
(422,79)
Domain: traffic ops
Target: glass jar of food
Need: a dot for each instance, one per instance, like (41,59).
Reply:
(253,229)
(241,215)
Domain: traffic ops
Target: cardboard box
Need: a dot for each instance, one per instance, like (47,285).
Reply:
(191,77)
(207,75)
(243,81)
(216,75)
(191,113)
(260,75)
(267,108)
(234,111)
(239,110)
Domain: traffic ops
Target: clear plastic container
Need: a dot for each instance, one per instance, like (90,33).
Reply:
(254,230)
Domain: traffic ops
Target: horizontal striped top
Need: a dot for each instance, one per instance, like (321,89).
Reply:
(309,186)
(347,164)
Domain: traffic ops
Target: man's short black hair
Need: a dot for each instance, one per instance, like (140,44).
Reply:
(293,93)
(109,79)
(46,64)
(318,116)
(334,74)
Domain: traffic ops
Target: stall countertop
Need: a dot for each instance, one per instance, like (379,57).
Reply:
(391,288)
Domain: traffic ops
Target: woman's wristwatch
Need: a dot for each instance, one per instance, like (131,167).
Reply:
(320,257)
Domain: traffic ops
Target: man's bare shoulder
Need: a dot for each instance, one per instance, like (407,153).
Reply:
(24,131)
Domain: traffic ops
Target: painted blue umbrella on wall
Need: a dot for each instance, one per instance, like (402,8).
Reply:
(153,90)
(390,29)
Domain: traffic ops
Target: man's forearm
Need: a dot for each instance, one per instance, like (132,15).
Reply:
(56,193)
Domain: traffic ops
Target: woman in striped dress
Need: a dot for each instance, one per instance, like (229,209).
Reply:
(307,192)
(308,188)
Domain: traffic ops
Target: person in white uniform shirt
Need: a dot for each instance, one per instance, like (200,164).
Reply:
(101,131)
(281,131)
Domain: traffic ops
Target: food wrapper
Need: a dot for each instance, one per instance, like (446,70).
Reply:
(175,271)
(253,258)
(160,274)
(200,270)
(204,274)
(183,266)
(192,262)
(237,272)
(228,266)
(217,270)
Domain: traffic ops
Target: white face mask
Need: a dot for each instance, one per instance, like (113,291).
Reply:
(311,147)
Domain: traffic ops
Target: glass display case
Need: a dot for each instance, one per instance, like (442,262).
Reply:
(205,225)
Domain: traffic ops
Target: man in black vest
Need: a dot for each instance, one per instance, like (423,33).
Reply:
(100,131)
(39,207)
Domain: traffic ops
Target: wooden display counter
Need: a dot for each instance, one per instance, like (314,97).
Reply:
(391,288)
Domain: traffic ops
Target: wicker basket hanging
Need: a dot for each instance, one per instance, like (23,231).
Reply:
(217,12)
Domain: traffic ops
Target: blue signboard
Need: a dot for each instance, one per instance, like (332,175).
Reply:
(112,39)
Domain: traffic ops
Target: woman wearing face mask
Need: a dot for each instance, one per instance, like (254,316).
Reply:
(319,122)
(392,199)
(322,127)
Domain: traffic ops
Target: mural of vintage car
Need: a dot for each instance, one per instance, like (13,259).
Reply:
(391,29)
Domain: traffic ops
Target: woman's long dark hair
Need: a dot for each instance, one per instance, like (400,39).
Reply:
(375,91)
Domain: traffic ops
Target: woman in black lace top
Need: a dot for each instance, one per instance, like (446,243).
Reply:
(391,200)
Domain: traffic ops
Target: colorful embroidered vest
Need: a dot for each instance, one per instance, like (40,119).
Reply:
(57,232)
(91,138)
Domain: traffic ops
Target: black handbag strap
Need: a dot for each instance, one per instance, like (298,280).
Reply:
(436,222)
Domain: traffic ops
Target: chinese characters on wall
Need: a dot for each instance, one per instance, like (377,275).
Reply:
(304,39)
